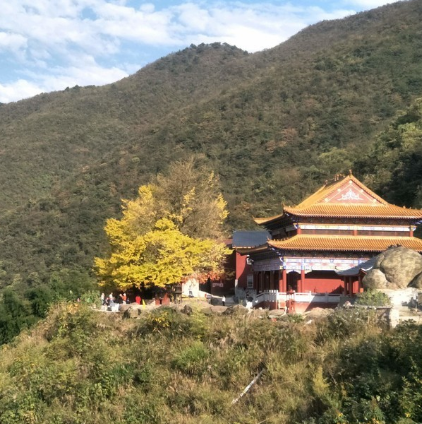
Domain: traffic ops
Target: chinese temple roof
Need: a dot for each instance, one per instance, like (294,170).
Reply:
(345,197)
(344,243)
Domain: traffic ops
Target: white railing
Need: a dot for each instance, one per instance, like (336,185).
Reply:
(308,297)
(243,293)
(266,296)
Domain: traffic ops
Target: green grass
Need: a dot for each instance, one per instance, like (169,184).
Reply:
(82,366)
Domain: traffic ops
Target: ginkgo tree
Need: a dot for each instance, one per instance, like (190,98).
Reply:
(172,230)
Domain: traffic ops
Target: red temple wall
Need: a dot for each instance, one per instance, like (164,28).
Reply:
(242,270)
(323,282)
(356,286)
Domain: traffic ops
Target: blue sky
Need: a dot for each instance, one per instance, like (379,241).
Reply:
(48,45)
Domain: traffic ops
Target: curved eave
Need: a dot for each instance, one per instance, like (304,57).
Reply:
(252,249)
(304,214)
(263,221)
(311,243)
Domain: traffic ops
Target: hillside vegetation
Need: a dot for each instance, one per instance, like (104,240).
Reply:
(81,366)
(395,160)
(273,125)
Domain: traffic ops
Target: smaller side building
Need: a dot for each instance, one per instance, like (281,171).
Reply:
(352,277)
(245,240)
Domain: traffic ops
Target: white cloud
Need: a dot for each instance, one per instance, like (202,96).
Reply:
(50,34)
(251,27)
(12,42)
(83,71)
(20,89)
(369,4)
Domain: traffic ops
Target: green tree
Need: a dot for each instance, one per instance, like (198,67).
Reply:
(171,231)
(14,316)
(394,165)
(189,194)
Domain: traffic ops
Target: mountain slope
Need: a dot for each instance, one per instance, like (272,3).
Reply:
(48,137)
(273,125)
(394,163)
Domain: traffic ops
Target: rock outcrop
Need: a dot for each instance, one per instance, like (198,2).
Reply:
(236,310)
(375,279)
(132,311)
(416,282)
(395,268)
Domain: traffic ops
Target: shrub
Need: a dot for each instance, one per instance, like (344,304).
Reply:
(345,323)
(192,359)
(373,298)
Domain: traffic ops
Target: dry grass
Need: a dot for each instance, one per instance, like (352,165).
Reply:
(79,366)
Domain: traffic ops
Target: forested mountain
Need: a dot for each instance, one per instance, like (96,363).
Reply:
(394,163)
(274,125)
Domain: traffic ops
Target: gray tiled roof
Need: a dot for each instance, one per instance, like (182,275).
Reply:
(250,238)
(365,266)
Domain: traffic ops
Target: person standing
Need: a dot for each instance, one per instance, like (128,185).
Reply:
(224,300)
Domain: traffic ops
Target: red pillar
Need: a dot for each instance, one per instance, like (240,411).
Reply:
(411,232)
(282,282)
(302,280)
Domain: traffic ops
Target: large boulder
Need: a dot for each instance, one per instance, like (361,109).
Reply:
(394,268)
(187,309)
(417,282)
(124,307)
(133,311)
(236,310)
(375,279)
(276,313)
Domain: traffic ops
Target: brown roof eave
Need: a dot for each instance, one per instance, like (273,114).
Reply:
(270,220)
(329,249)
(255,249)
(304,215)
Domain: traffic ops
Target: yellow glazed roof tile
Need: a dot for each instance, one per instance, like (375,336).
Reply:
(355,211)
(345,243)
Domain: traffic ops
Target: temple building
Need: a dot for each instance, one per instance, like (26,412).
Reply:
(338,227)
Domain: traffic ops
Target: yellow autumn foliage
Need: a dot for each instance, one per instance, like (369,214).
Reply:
(150,244)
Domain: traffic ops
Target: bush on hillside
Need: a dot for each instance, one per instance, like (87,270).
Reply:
(373,298)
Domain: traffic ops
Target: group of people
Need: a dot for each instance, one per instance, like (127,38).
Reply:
(123,298)
(111,300)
